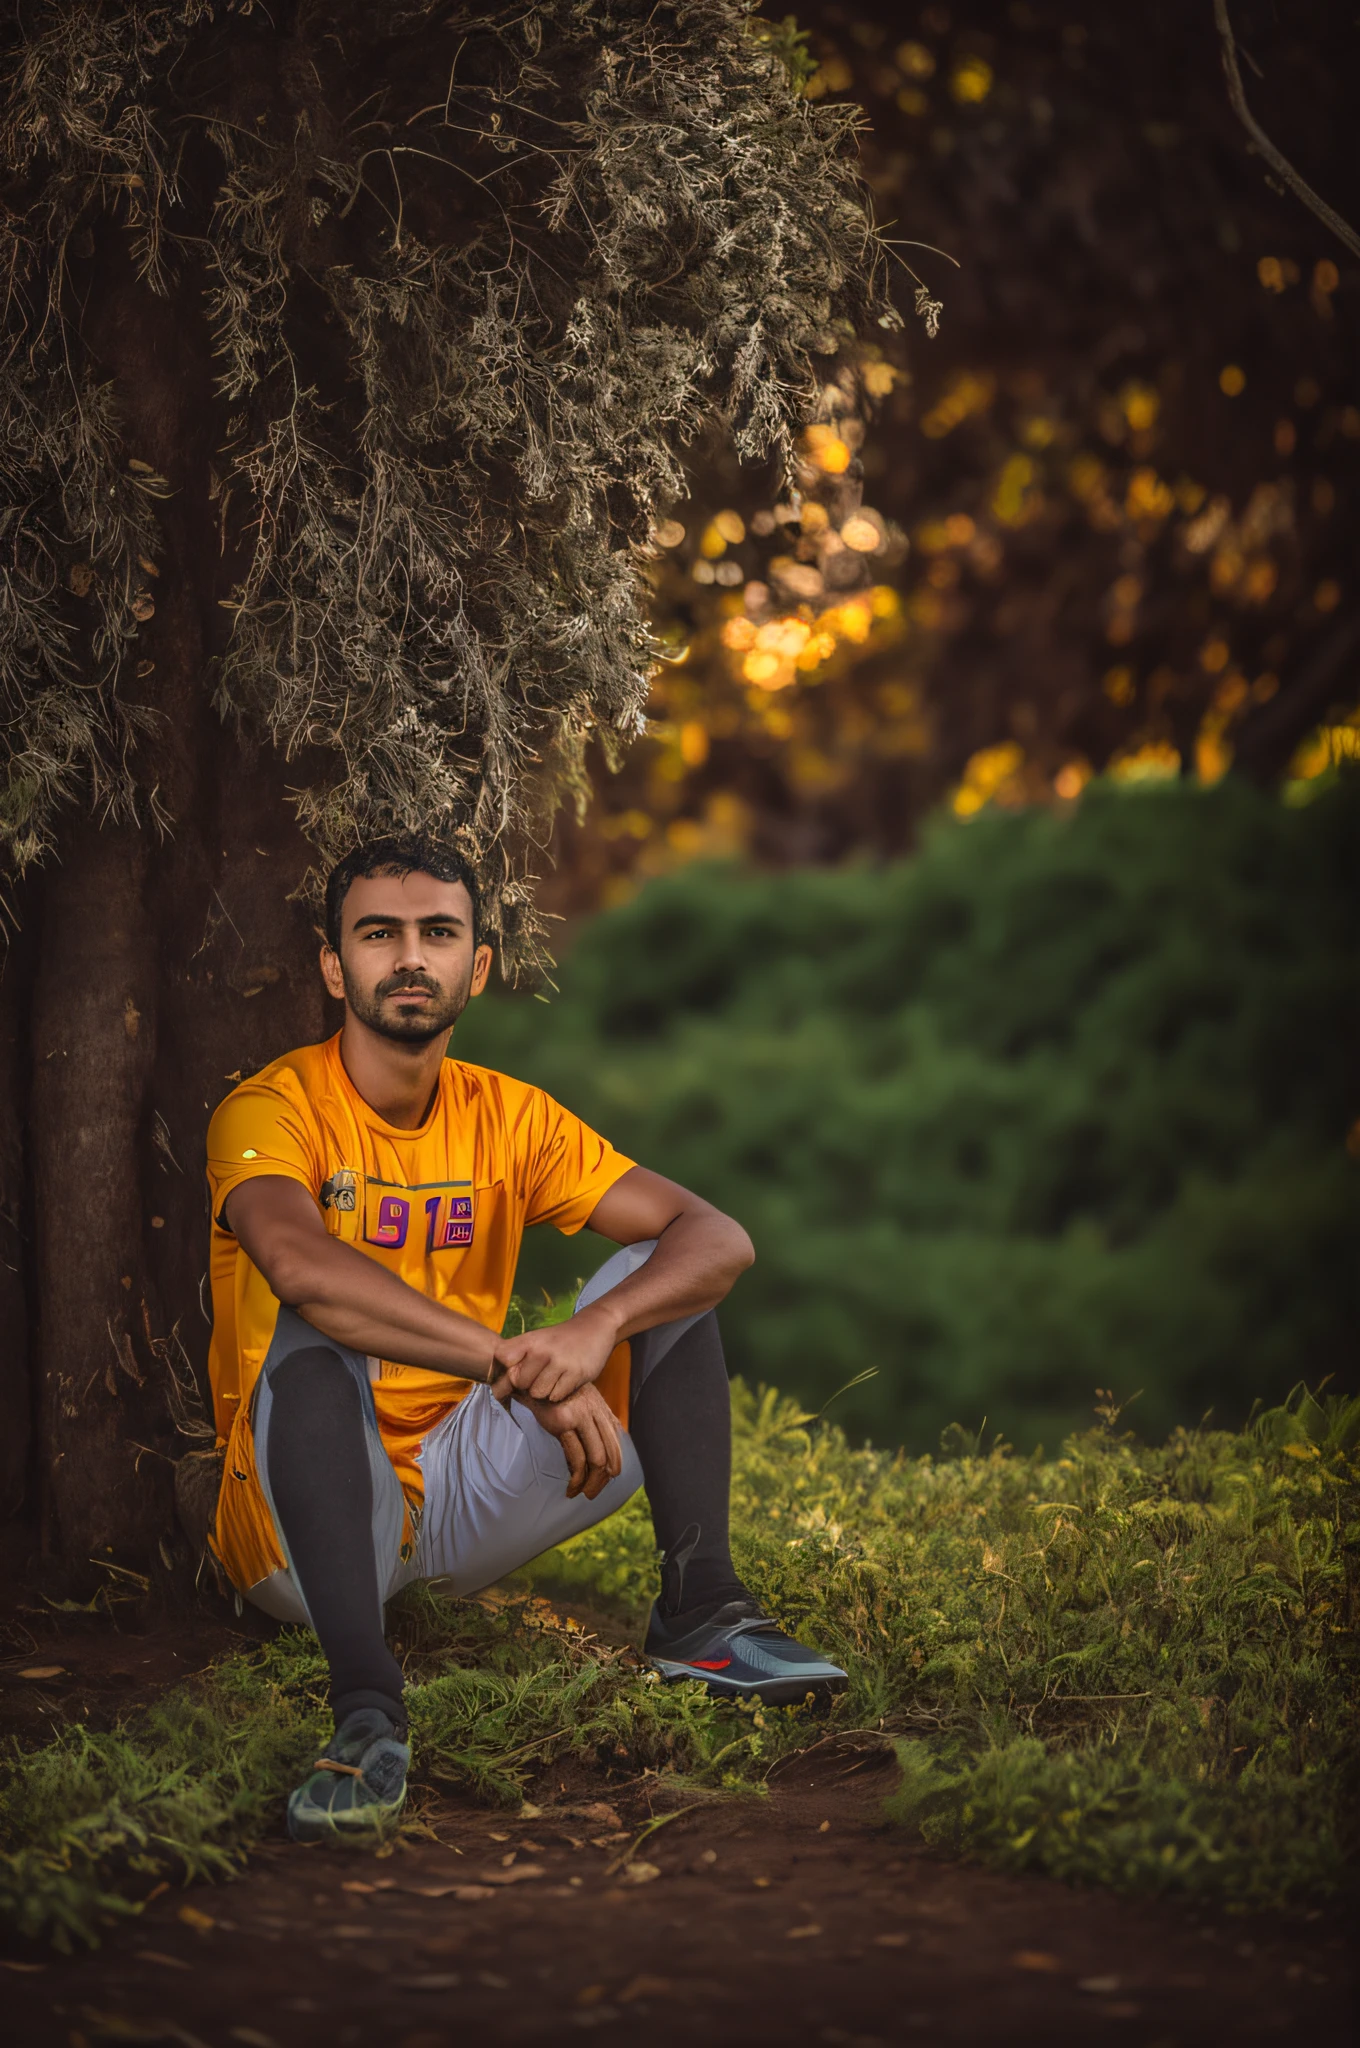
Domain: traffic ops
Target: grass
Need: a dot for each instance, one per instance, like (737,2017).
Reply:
(1124,1666)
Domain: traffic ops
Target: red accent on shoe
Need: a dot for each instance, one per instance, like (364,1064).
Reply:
(711,1663)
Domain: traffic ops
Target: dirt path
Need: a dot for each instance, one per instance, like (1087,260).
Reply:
(799,1918)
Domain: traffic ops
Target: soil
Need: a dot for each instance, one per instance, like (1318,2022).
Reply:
(800,1917)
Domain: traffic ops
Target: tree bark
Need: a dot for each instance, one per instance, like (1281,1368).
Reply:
(168,968)
(15,1396)
(94,1047)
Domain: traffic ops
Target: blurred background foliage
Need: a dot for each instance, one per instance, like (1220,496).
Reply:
(1102,522)
(1060,1103)
(1019,1024)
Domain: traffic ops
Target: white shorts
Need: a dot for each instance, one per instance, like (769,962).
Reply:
(495,1479)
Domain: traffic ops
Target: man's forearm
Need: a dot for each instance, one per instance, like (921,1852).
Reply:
(696,1261)
(358,1303)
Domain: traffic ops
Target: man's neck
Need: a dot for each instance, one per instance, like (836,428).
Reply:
(397,1081)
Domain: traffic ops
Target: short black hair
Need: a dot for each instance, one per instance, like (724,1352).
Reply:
(407,853)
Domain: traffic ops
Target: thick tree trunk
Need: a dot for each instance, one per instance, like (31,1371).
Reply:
(167,968)
(15,1398)
(94,1050)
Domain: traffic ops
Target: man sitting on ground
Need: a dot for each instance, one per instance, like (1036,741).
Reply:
(369,1196)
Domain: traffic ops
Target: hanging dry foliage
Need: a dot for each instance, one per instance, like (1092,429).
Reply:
(475,280)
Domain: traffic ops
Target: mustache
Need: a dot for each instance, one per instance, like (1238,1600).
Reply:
(397,984)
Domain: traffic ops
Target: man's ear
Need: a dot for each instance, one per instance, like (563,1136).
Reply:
(332,973)
(481,968)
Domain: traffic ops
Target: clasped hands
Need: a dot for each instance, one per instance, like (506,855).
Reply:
(553,1371)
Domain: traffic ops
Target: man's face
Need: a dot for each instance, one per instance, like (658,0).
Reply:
(406,965)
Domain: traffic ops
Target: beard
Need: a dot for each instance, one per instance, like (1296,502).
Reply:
(417,1026)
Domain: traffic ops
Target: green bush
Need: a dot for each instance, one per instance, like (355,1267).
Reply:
(1059,1103)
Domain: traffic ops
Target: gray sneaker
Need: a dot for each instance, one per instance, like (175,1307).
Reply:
(357,1787)
(739,1653)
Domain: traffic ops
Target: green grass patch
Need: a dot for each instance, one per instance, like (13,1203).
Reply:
(1125,1666)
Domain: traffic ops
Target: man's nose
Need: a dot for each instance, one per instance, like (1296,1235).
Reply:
(411,950)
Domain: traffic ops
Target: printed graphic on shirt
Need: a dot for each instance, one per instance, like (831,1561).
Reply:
(340,1191)
(442,1210)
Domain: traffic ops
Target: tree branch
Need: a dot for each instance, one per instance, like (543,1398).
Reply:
(1280,164)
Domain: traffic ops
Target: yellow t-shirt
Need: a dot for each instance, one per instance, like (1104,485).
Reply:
(444,1206)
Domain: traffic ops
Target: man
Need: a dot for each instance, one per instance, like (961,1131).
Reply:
(369,1196)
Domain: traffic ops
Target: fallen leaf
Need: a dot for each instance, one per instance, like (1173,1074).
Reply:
(595,1815)
(435,1980)
(153,1955)
(638,1873)
(891,1940)
(79,577)
(1101,1987)
(27,1968)
(201,1922)
(825,1828)
(497,1838)
(761,1883)
(803,1933)
(117,2028)
(518,1875)
(528,1811)
(645,1987)
(140,468)
(44,1671)
(143,606)
(1035,1959)
(508,1859)
(356,1884)
(455,1890)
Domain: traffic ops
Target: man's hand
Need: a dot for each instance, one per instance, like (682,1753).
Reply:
(555,1363)
(585,1427)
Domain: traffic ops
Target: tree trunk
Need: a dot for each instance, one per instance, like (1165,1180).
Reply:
(94,1050)
(15,1398)
(167,968)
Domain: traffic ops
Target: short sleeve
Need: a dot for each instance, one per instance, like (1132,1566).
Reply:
(257,1131)
(570,1168)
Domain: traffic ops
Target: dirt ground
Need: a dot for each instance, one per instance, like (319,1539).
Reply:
(798,1918)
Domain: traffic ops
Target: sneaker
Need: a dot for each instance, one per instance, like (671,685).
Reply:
(739,1653)
(357,1787)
